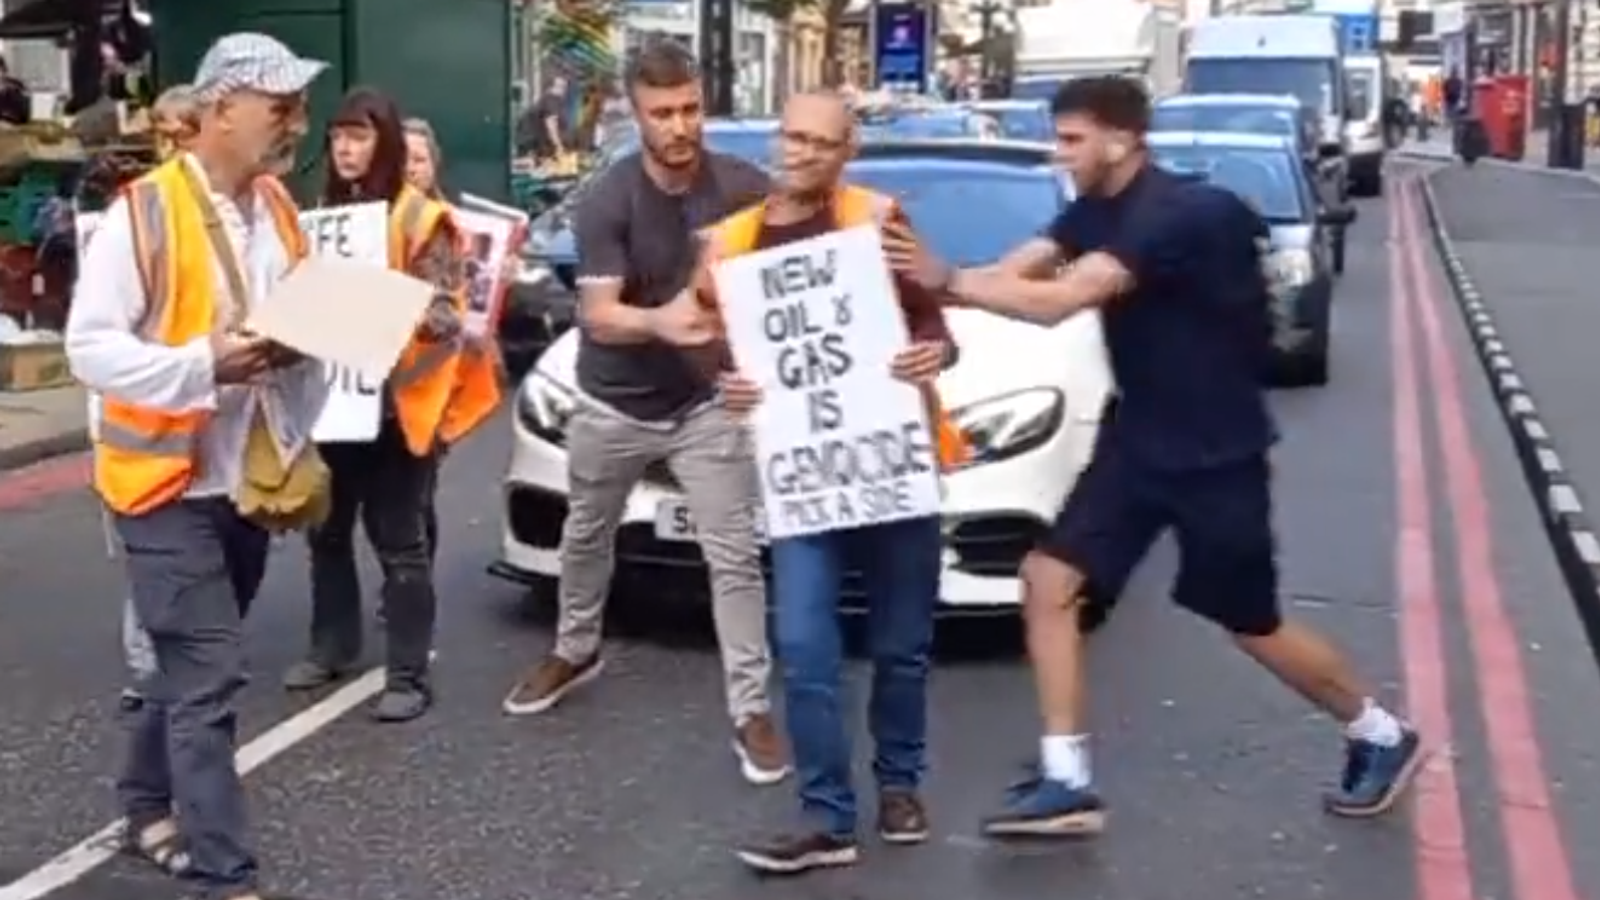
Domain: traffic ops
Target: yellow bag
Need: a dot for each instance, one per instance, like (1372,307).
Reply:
(282,499)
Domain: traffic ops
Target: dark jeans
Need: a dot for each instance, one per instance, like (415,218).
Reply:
(192,567)
(390,490)
(899,563)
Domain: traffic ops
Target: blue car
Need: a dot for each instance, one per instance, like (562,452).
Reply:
(1267,173)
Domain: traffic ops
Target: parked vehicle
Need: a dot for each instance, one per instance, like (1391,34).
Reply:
(1366,77)
(1298,261)
(1300,55)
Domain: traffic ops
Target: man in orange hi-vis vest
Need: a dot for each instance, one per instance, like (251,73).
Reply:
(900,560)
(173,270)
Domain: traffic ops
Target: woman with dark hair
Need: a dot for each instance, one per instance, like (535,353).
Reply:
(387,482)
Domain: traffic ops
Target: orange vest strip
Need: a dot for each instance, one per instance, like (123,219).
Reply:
(852,206)
(145,458)
(425,379)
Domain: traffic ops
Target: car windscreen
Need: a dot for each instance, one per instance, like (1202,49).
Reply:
(1035,89)
(1238,119)
(1363,93)
(1023,123)
(969,213)
(917,126)
(1310,81)
(1267,179)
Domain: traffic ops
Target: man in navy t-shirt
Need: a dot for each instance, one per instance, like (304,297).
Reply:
(1173,265)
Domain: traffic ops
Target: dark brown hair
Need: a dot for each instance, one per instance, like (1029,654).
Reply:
(366,107)
(661,63)
(1112,101)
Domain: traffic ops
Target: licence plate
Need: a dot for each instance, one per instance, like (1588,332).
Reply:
(673,522)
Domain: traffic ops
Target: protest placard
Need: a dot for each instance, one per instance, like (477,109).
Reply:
(839,442)
(360,233)
(491,239)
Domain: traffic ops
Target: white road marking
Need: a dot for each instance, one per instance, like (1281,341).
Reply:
(98,848)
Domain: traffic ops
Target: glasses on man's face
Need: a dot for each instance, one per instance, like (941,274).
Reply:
(794,139)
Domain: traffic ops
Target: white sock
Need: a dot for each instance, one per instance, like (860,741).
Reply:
(1066,758)
(1375,725)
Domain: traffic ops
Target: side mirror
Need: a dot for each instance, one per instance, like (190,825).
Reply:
(1338,216)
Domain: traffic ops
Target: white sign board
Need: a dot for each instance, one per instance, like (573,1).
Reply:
(839,442)
(359,233)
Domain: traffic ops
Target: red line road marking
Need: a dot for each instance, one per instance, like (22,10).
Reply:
(29,485)
(1539,866)
(1443,869)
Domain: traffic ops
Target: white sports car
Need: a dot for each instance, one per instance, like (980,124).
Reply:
(1028,398)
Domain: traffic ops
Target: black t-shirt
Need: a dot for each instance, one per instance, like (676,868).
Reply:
(1189,345)
(630,230)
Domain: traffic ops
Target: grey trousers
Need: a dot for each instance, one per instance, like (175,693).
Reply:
(191,567)
(710,456)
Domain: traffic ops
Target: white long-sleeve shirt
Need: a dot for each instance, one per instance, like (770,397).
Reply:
(109,357)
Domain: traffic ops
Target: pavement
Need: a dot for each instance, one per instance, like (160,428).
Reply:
(1524,243)
(36,425)
(1407,535)
(1536,153)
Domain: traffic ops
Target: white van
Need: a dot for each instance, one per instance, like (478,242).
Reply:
(1288,54)
(1365,80)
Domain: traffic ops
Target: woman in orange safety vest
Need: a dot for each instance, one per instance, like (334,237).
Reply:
(388,482)
(478,373)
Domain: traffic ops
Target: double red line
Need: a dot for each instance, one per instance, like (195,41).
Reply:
(1425,366)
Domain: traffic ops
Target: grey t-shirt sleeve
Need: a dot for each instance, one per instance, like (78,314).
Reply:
(743,183)
(600,229)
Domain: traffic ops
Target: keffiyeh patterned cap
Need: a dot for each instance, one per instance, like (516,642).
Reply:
(249,61)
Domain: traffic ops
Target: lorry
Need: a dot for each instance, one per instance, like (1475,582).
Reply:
(1298,55)
(1068,39)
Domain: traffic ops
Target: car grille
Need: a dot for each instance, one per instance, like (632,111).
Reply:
(993,546)
(536,517)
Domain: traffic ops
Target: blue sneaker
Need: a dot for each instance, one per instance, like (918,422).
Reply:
(1375,776)
(1040,807)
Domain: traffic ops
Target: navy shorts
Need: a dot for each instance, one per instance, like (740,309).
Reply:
(1221,517)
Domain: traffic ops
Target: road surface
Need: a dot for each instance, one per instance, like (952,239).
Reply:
(1407,534)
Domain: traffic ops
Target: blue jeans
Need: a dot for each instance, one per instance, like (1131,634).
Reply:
(899,563)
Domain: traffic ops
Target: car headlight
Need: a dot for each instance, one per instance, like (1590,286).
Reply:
(545,407)
(1009,425)
(1289,270)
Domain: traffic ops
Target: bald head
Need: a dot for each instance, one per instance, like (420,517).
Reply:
(823,113)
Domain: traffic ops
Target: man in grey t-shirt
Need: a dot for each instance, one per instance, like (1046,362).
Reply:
(647,403)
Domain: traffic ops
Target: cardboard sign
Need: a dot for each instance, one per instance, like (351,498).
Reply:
(359,233)
(840,443)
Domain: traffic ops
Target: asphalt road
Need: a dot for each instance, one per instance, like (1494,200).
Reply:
(1406,534)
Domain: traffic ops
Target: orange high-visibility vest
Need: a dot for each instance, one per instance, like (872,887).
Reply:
(425,379)
(477,390)
(852,206)
(145,458)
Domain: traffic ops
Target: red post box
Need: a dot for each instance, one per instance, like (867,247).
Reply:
(1514,110)
(1486,107)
